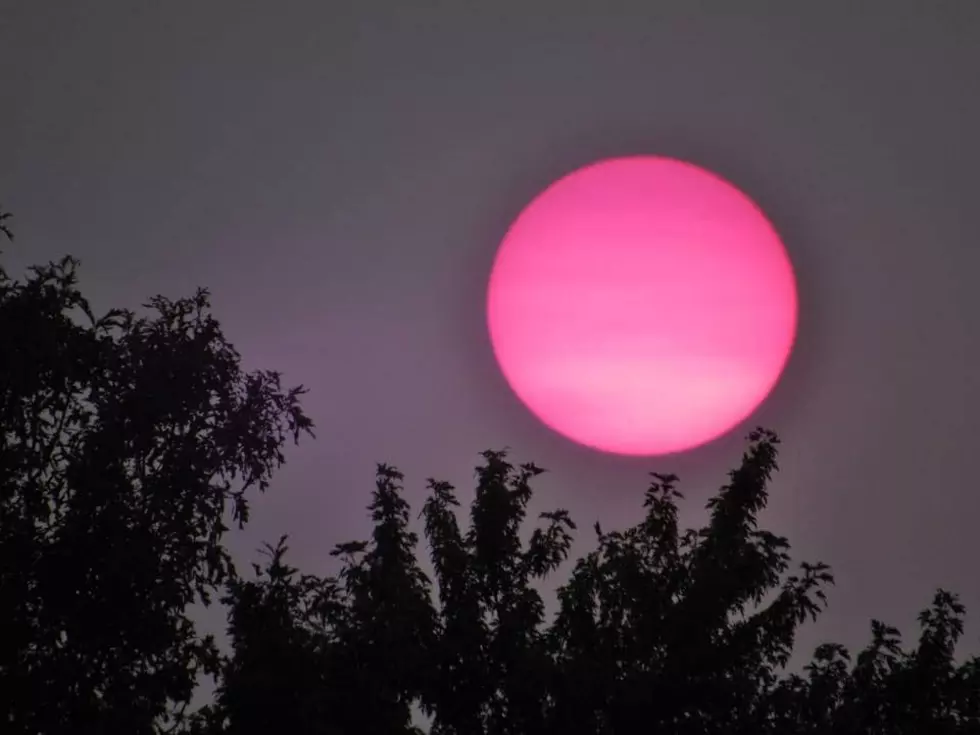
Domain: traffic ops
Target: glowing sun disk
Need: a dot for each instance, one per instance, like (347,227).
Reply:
(642,306)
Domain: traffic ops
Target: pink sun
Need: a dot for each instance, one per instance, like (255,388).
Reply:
(642,306)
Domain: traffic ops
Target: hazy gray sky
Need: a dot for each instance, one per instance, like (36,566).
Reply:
(340,174)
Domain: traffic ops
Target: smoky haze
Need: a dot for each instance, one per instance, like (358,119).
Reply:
(340,174)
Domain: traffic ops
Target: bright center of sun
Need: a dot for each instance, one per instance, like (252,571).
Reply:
(642,306)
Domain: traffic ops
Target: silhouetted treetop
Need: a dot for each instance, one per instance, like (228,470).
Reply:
(128,442)
(657,629)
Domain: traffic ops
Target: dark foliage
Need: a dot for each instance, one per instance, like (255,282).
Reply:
(128,443)
(657,629)
(4,227)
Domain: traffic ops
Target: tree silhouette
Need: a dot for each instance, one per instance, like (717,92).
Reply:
(491,662)
(280,677)
(388,624)
(128,443)
(4,227)
(332,656)
(671,628)
(657,629)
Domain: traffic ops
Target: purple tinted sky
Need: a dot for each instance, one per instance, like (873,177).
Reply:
(340,174)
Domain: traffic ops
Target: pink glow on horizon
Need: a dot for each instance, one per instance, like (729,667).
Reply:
(642,306)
